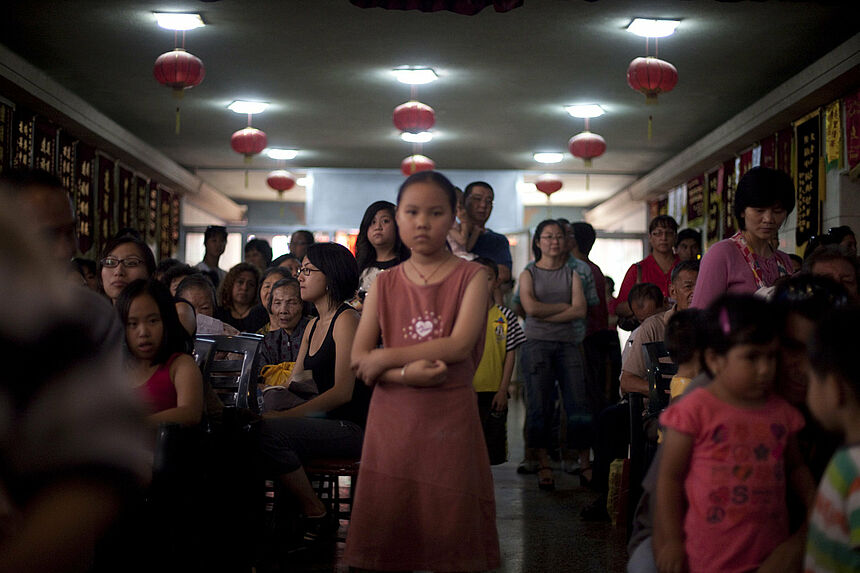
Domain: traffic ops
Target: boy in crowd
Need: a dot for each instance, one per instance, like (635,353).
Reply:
(493,375)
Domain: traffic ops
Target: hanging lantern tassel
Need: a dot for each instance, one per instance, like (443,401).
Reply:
(587,181)
(650,126)
(246,179)
(177,94)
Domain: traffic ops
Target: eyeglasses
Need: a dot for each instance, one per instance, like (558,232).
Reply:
(551,238)
(307,271)
(127,263)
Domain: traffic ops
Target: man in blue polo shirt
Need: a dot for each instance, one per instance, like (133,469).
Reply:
(478,198)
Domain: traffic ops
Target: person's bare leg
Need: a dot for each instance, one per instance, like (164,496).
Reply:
(299,486)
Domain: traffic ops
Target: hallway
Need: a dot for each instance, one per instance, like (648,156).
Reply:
(538,531)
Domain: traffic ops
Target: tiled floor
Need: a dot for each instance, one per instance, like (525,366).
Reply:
(538,531)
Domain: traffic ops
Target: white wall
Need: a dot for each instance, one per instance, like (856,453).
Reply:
(339,197)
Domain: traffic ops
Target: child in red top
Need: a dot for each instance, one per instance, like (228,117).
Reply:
(169,381)
(729,450)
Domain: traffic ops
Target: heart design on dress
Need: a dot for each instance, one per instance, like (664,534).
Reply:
(423,328)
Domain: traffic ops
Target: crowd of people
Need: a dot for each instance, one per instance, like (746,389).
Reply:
(403,356)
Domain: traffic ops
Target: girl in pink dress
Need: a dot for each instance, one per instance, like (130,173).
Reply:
(425,492)
(729,450)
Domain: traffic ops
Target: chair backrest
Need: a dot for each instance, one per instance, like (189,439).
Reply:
(229,367)
(202,347)
(660,371)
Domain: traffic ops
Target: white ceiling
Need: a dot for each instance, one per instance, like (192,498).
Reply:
(325,65)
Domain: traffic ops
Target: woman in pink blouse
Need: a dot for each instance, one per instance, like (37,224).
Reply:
(747,261)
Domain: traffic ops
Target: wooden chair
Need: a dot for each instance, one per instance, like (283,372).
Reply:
(234,378)
(324,475)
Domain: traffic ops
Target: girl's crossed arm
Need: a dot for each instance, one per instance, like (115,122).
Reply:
(669,551)
(424,363)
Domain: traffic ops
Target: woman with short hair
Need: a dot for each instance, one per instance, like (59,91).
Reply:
(747,261)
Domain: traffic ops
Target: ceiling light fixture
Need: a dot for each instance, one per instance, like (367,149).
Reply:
(180,22)
(420,137)
(277,153)
(415,76)
(653,28)
(303,181)
(548,157)
(585,110)
(248,107)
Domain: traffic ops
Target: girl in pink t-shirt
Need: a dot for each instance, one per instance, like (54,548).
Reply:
(728,451)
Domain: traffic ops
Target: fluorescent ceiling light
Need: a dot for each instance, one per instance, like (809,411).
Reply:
(653,28)
(415,76)
(548,157)
(170,21)
(276,153)
(246,107)
(420,137)
(585,110)
(303,181)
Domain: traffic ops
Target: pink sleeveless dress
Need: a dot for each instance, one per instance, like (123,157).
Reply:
(425,492)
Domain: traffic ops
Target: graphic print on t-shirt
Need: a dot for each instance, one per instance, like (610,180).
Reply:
(426,326)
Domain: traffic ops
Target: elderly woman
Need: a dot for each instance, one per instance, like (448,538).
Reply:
(237,296)
(271,276)
(285,306)
(747,261)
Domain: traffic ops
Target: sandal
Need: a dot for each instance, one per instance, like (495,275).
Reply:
(545,479)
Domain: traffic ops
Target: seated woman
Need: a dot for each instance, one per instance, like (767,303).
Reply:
(285,305)
(237,296)
(270,277)
(332,423)
(197,291)
(169,381)
(124,259)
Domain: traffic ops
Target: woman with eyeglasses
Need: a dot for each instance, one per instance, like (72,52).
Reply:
(748,261)
(656,268)
(332,423)
(552,297)
(124,259)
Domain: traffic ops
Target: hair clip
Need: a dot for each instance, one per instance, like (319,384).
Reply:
(725,325)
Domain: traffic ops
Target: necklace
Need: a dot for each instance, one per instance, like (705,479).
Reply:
(427,278)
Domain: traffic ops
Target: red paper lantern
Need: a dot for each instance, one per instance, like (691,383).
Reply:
(651,76)
(587,146)
(178,70)
(249,141)
(416,163)
(548,184)
(414,117)
(280,181)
